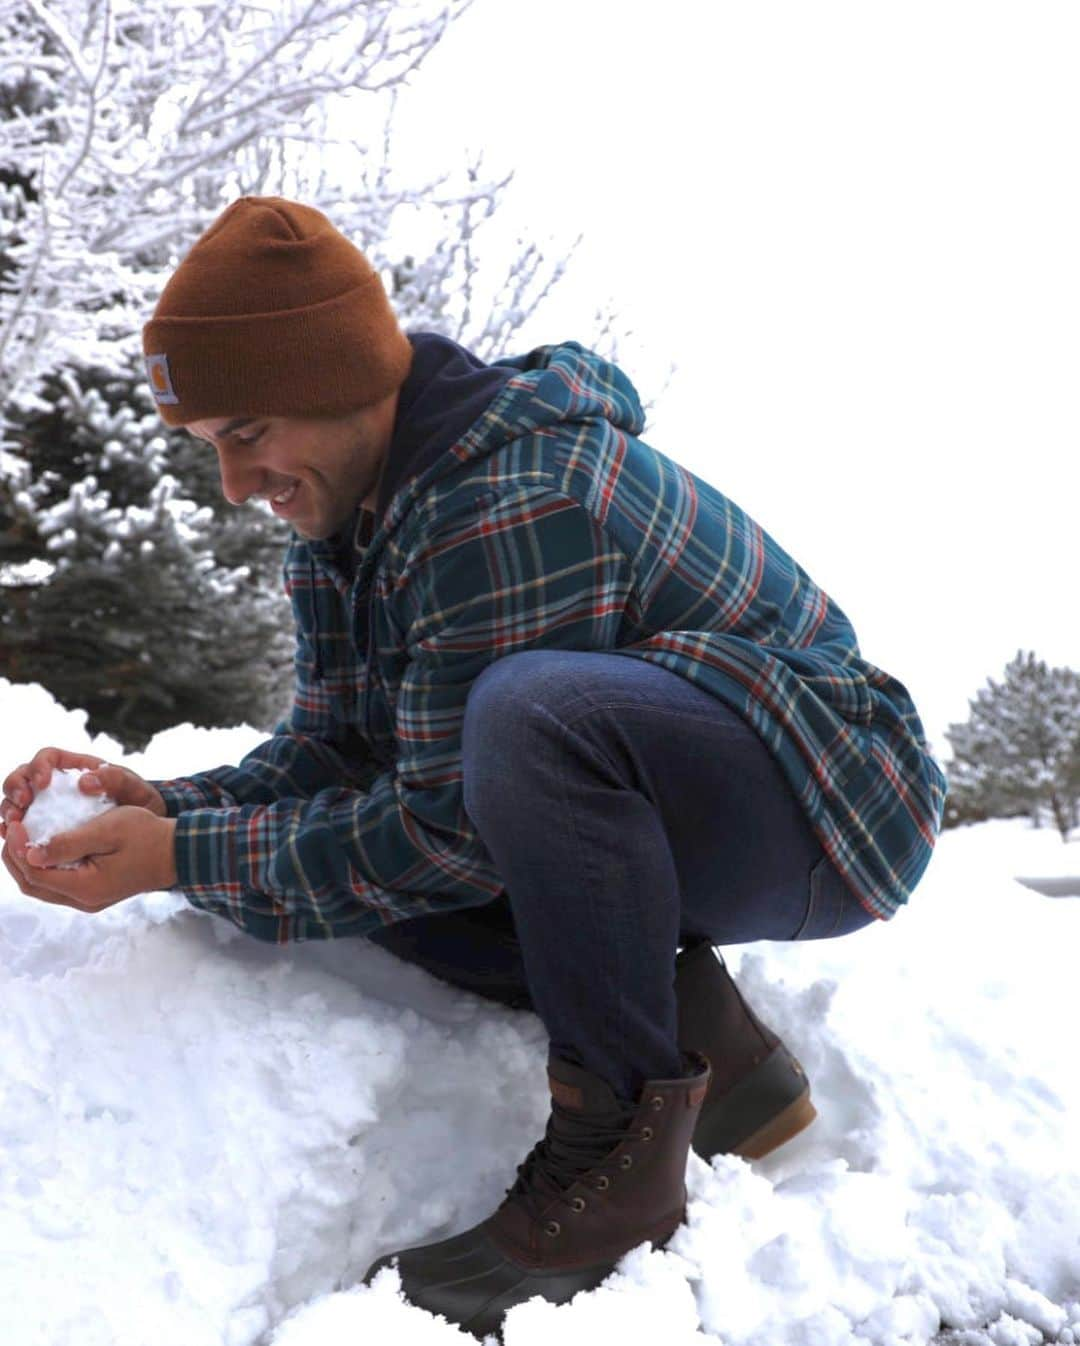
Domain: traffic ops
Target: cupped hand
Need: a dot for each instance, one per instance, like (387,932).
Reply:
(116,855)
(120,784)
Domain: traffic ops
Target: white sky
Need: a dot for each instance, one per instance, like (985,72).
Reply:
(853,228)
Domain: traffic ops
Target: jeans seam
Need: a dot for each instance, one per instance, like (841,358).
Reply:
(841,907)
(811,904)
(619,1026)
(814,904)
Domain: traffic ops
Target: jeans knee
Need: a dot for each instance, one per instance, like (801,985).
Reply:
(498,695)
(500,714)
(489,704)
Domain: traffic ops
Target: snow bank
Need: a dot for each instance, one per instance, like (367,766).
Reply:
(207,1140)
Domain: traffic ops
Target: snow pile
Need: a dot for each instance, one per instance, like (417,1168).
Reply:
(207,1140)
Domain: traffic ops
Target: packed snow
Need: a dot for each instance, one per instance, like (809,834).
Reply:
(62,806)
(206,1140)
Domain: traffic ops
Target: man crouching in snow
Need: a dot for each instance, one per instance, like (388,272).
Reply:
(565,719)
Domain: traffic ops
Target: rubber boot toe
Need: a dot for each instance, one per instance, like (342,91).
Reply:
(471,1282)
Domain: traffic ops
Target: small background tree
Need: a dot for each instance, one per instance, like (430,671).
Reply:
(1019,751)
(133,590)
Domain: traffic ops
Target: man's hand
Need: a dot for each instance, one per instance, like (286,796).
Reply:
(118,854)
(120,784)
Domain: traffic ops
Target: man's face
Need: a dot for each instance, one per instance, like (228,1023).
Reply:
(312,470)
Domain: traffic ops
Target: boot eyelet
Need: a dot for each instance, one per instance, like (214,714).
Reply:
(656,1102)
(626,1161)
(553,1228)
(603,1182)
(578,1203)
(646,1133)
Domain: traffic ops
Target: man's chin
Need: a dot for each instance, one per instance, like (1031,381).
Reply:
(308,529)
(316,530)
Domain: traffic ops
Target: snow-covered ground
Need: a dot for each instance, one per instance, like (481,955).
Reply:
(204,1141)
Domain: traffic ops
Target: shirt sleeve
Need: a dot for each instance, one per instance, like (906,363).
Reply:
(311,749)
(288,765)
(526,569)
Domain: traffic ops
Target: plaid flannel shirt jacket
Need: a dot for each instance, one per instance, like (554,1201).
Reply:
(549,524)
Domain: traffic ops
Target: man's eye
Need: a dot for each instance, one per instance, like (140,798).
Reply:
(248,439)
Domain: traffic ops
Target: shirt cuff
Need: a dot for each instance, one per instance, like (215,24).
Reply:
(213,854)
(179,796)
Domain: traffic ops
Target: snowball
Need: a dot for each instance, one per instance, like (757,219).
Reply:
(62,806)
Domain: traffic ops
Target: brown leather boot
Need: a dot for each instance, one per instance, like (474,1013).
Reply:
(758,1096)
(606,1177)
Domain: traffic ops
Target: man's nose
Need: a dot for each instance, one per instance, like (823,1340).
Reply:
(238,480)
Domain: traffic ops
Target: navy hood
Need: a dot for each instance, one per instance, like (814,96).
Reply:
(448,388)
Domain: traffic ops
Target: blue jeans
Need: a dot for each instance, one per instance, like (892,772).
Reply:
(627,813)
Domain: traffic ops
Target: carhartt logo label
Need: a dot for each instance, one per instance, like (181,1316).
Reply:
(157,371)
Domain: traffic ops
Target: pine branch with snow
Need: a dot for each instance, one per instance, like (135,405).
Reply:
(131,588)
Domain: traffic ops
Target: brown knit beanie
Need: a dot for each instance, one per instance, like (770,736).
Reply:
(273,312)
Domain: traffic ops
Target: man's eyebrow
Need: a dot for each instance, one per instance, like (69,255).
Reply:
(230,427)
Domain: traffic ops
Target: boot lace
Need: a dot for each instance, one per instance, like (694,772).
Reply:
(571,1147)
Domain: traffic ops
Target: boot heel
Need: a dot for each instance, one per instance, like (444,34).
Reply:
(796,1117)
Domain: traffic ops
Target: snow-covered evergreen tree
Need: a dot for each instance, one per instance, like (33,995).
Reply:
(131,589)
(1019,750)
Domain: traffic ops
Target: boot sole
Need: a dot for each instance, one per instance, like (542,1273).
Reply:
(762,1112)
(796,1117)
